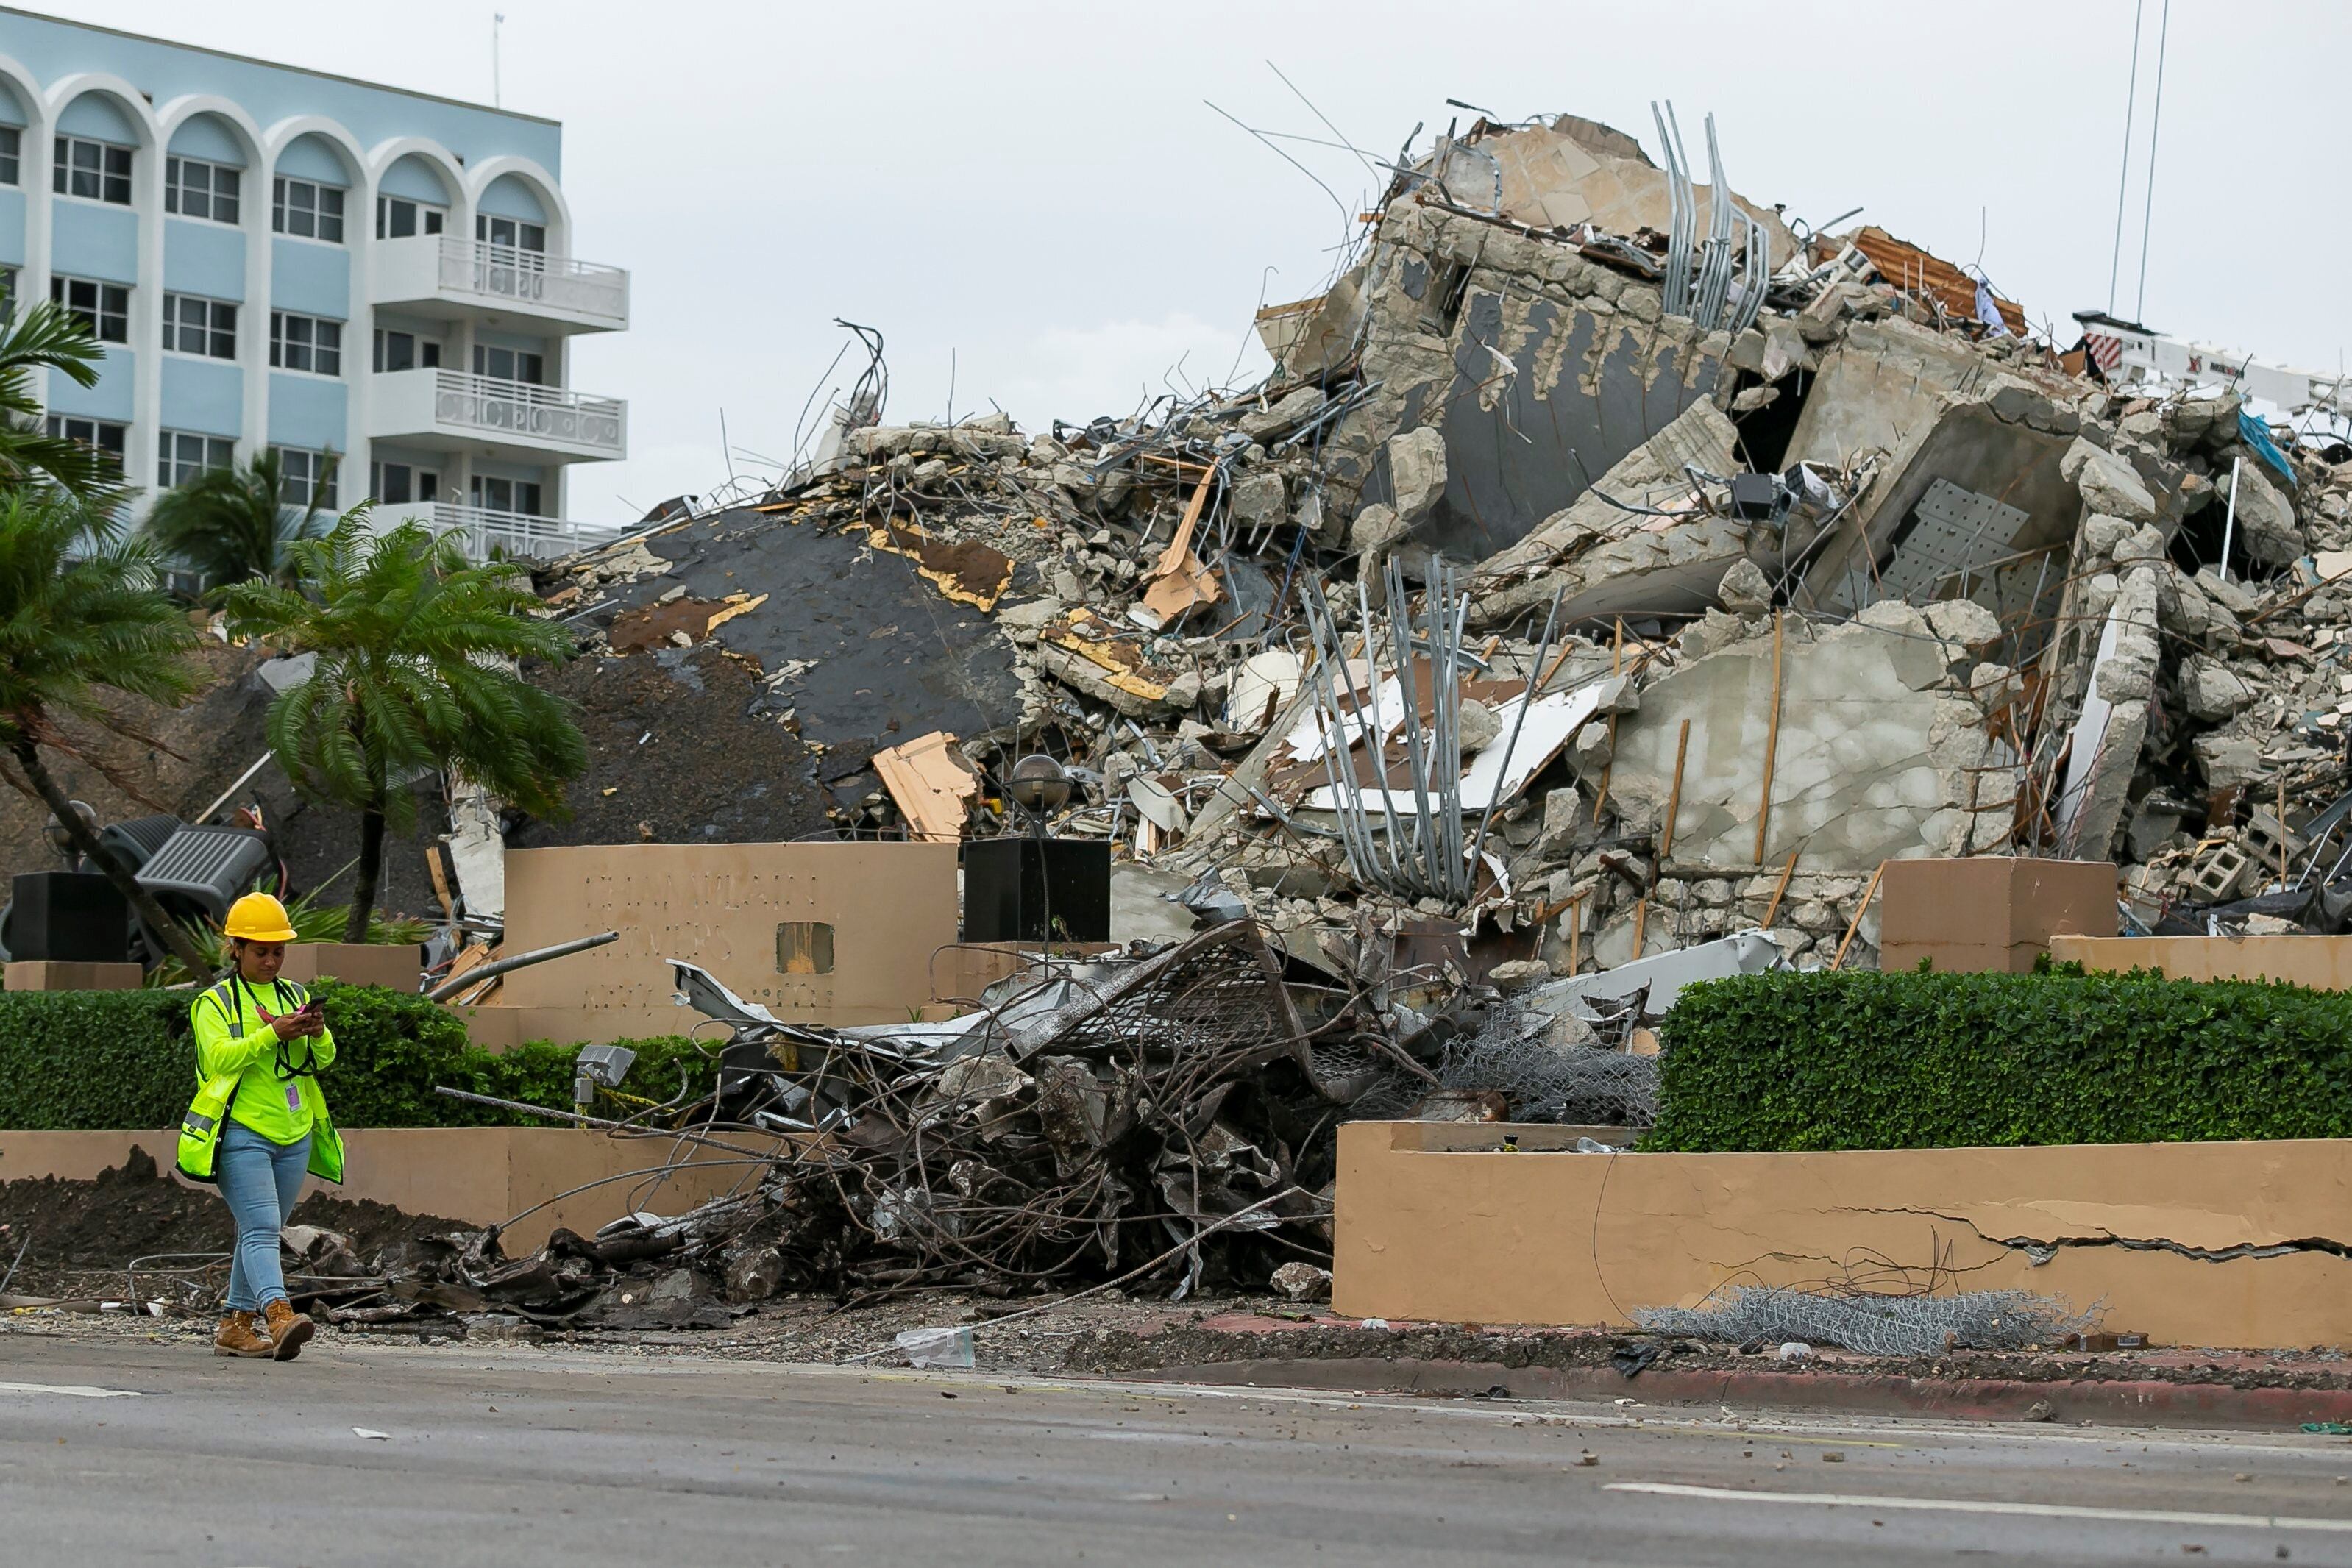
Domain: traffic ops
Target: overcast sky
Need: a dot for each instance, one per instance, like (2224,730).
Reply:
(1042,197)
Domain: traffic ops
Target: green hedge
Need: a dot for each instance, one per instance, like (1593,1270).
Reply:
(73,1059)
(1913,1060)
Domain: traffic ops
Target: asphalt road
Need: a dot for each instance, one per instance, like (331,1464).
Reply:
(126,1453)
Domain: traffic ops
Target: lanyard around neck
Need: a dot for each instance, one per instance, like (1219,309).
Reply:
(286,1066)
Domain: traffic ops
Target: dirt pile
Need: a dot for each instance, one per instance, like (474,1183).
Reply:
(77,1237)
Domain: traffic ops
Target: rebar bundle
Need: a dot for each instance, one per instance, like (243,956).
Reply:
(1420,851)
(1697,281)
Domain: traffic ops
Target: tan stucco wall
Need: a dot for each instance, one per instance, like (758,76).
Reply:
(478,1174)
(1542,1238)
(394,965)
(891,905)
(2322,963)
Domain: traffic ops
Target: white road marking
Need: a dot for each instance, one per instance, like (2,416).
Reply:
(77,1390)
(1972,1505)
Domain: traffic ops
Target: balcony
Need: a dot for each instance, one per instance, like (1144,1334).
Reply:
(513,420)
(515,536)
(442,276)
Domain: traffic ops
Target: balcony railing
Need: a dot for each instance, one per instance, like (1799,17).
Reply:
(516,535)
(520,408)
(535,277)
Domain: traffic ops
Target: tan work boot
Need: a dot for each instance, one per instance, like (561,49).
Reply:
(236,1337)
(289,1330)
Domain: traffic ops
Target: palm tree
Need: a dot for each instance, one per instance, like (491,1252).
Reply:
(232,525)
(45,336)
(415,671)
(82,617)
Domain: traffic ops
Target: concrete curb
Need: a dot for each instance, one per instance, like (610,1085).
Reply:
(2135,1403)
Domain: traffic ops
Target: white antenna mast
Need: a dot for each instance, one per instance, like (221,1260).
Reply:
(497,20)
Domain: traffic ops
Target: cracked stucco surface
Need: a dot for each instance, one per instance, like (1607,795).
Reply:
(2196,1244)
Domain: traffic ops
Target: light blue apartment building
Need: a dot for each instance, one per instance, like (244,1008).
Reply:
(378,284)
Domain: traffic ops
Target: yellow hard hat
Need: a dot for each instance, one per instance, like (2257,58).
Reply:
(258,918)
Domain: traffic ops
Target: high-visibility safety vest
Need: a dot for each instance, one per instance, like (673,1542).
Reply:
(201,1127)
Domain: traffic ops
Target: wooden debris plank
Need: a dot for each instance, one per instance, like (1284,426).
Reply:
(930,787)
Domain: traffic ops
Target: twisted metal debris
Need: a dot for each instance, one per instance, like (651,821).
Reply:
(1179,1101)
(1544,1082)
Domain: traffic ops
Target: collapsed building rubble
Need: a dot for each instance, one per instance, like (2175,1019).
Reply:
(1609,566)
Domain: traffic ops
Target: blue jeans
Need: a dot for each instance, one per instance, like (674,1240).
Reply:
(261,1180)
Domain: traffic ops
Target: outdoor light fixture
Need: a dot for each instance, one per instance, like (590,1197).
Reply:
(598,1067)
(1038,784)
(62,842)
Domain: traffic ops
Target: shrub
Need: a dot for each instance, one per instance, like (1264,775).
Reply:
(76,1060)
(1861,1061)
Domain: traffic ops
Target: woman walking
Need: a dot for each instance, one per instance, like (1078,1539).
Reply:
(258,1123)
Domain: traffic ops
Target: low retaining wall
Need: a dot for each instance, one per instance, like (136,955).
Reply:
(479,1174)
(2163,1233)
(2322,963)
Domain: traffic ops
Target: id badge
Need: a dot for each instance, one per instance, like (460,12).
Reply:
(293,1097)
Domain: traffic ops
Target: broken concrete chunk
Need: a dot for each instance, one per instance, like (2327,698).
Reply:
(2153,823)
(1916,651)
(2226,758)
(1030,614)
(1376,528)
(1298,1281)
(1871,762)
(1416,472)
(1616,694)
(1317,519)
(1563,819)
(635,562)
(2144,546)
(1966,622)
(2108,483)
(1518,974)
(1260,504)
(2229,593)
(1994,686)
(1079,651)
(753,1275)
(1478,726)
(1283,415)
(1589,753)
(1710,631)
(2266,526)
(2213,692)
(1745,589)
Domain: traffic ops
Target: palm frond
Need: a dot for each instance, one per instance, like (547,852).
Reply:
(414,671)
(81,621)
(44,336)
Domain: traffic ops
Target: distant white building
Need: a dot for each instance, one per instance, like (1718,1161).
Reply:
(379,284)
